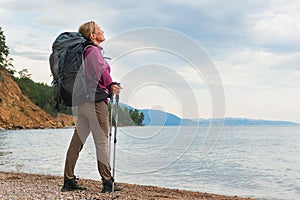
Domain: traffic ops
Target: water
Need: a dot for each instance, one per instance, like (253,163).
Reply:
(259,162)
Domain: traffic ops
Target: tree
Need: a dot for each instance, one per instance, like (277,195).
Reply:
(137,117)
(3,48)
(5,61)
(140,119)
(24,74)
(128,117)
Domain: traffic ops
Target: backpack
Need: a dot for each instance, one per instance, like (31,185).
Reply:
(67,68)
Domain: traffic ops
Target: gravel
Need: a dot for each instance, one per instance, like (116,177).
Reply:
(37,186)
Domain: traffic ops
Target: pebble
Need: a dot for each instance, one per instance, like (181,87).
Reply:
(33,186)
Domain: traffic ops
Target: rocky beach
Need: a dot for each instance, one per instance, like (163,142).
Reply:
(35,186)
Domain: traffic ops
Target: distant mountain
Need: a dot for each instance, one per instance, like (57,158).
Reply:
(161,118)
(229,121)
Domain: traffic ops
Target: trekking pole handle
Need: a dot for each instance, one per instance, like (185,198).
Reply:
(116,83)
(111,94)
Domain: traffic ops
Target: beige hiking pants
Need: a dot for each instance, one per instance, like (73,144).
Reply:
(92,117)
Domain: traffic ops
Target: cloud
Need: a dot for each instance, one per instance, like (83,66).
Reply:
(23,6)
(278,26)
(260,69)
(253,44)
(214,23)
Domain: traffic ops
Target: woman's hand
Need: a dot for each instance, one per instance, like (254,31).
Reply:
(116,89)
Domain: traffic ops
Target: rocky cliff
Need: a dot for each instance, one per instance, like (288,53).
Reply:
(18,112)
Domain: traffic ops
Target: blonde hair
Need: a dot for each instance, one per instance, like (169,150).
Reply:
(87,29)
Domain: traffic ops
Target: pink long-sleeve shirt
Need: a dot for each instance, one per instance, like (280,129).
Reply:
(97,70)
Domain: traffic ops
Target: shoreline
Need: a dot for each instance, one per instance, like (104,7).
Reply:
(15,185)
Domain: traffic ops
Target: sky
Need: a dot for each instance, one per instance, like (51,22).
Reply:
(195,59)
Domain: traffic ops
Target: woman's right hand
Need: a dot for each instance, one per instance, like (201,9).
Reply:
(116,89)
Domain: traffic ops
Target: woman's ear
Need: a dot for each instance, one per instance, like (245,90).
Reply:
(93,36)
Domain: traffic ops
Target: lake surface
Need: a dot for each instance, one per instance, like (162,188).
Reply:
(261,162)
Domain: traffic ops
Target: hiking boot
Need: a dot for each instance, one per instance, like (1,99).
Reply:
(107,186)
(71,185)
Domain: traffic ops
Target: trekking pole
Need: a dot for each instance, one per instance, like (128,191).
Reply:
(110,125)
(115,144)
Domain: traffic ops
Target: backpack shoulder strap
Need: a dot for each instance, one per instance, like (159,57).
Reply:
(85,50)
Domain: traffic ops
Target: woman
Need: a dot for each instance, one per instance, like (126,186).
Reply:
(92,116)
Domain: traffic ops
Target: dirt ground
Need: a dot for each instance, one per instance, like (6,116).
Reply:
(34,186)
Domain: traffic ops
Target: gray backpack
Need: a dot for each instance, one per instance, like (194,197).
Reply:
(67,68)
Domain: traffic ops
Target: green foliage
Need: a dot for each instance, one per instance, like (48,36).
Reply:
(137,117)
(5,61)
(24,74)
(39,93)
(128,117)
(3,48)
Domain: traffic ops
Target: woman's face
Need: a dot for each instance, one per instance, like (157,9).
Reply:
(97,36)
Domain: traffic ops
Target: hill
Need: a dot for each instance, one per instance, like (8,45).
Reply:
(230,121)
(18,112)
(161,118)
